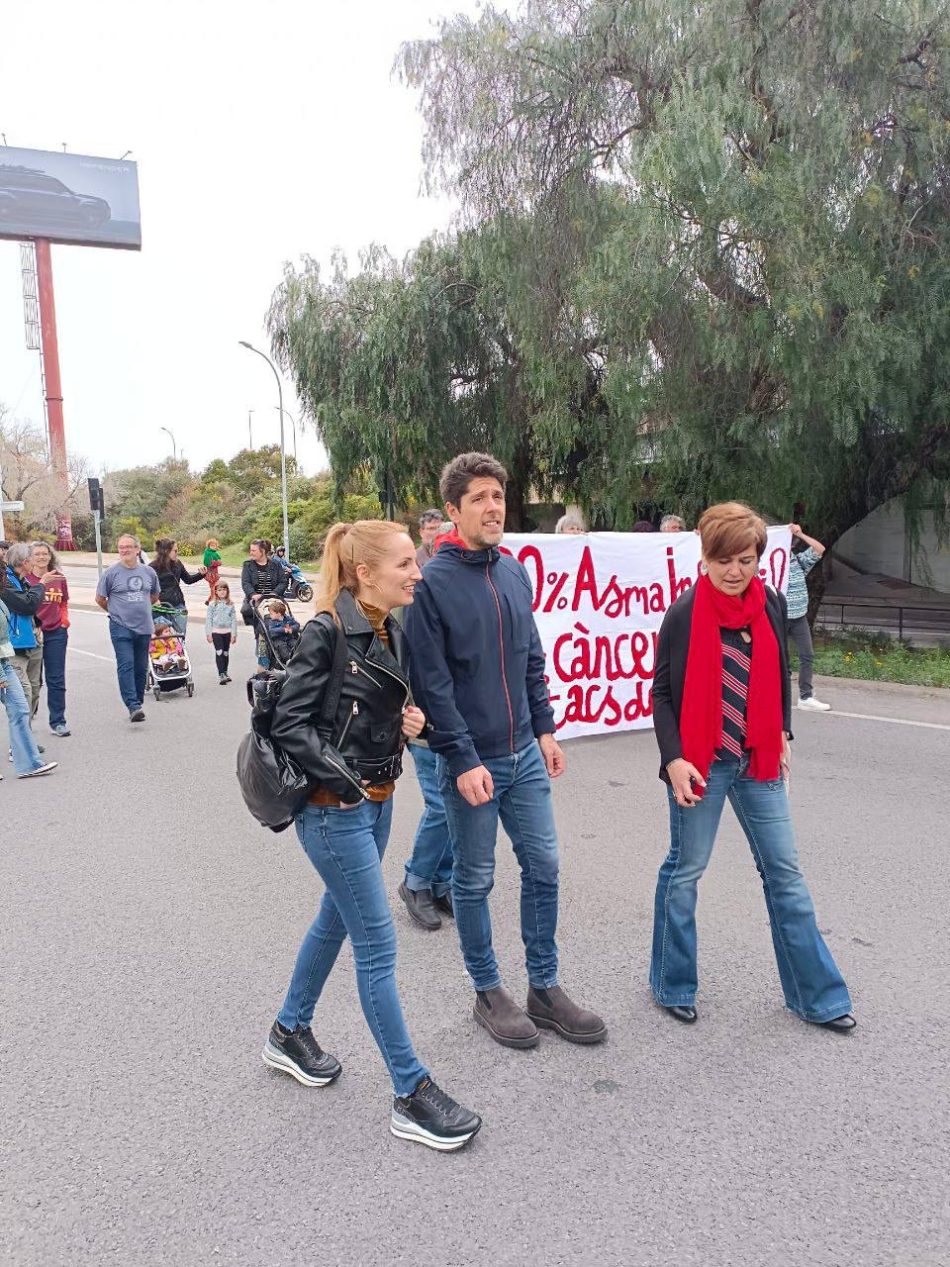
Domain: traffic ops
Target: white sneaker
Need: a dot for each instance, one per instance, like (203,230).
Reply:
(813,705)
(40,770)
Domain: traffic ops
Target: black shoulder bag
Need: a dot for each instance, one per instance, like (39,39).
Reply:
(273,785)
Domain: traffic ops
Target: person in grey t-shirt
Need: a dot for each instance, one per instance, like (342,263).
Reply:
(126,591)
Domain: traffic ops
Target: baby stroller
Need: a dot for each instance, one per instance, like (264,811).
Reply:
(274,645)
(169,668)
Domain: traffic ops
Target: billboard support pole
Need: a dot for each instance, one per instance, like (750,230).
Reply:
(54,389)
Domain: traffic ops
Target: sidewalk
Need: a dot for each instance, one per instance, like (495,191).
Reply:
(88,559)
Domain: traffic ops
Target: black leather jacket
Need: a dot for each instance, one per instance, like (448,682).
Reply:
(368,723)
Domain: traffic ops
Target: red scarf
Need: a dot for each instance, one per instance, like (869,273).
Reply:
(701,714)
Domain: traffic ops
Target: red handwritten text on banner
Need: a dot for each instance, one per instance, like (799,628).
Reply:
(599,601)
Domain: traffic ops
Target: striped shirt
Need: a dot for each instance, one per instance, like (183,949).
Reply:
(798,568)
(736,667)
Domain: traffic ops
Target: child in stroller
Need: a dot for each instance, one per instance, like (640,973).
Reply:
(168,665)
(167,650)
(280,634)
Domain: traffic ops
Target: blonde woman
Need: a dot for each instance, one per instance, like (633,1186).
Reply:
(369,568)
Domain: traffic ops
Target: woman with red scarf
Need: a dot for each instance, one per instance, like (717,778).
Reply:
(722,710)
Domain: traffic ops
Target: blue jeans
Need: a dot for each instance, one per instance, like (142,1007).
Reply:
(26,755)
(522,800)
(813,987)
(54,670)
(346,846)
(131,660)
(430,866)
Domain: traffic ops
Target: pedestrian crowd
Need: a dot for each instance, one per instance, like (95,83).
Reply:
(459,681)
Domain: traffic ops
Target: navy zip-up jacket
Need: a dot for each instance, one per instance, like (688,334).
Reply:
(476,661)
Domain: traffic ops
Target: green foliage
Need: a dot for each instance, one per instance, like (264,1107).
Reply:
(877,658)
(125,526)
(143,492)
(406,364)
(730,221)
(233,502)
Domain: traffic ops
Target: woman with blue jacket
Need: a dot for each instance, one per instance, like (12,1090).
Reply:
(26,756)
(23,602)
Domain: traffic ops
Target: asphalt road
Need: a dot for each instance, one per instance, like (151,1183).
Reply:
(148,932)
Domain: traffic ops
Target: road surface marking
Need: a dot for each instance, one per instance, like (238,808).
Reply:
(109,660)
(896,721)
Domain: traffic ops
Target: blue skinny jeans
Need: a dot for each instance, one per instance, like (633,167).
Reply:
(346,847)
(26,755)
(430,866)
(522,801)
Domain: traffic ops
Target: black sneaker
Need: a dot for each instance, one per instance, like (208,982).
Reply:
(137,714)
(298,1053)
(433,1118)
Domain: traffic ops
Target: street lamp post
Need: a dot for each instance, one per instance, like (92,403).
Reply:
(174,445)
(283,456)
(293,431)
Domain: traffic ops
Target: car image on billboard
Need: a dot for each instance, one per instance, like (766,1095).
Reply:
(69,198)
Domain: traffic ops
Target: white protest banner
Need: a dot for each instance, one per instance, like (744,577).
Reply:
(599,600)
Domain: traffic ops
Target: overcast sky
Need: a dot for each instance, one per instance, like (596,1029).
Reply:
(262,132)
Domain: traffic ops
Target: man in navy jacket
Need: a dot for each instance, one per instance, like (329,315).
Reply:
(477,669)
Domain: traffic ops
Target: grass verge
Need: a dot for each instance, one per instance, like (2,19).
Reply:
(878,658)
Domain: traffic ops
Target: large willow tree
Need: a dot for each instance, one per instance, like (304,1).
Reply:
(404,364)
(735,216)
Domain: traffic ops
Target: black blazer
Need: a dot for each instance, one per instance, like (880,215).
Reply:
(670,671)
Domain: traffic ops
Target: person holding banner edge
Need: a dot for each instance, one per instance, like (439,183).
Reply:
(722,710)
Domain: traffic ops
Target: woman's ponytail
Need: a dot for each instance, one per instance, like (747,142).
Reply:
(333,568)
(345,548)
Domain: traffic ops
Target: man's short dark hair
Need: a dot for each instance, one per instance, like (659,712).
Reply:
(430,517)
(459,473)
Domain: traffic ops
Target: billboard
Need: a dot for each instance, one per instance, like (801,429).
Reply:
(69,198)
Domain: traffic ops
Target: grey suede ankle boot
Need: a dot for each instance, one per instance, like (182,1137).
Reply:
(552,1009)
(496,1011)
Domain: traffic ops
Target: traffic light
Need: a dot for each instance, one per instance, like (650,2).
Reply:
(97,499)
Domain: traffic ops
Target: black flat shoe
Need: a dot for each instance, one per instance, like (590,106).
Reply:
(840,1024)
(688,1015)
(420,906)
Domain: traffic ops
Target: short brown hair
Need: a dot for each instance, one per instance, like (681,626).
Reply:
(459,473)
(729,527)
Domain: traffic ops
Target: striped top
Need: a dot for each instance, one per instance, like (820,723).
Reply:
(798,568)
(736,667)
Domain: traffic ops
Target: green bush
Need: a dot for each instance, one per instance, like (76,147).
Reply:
(876,657)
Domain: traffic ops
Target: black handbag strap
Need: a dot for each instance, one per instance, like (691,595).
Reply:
(331,698)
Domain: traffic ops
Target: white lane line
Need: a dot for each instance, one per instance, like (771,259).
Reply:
(896,721)
(108,659)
